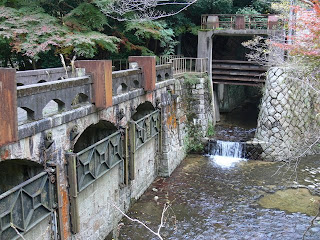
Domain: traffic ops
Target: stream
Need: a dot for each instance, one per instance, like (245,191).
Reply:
(224,196)
(210,201)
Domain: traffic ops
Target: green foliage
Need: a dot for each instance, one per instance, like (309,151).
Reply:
(85,17)
(190,79)
(193,139)
(153,30)
(31,31)
(247,10)
(85,44)
(210,130)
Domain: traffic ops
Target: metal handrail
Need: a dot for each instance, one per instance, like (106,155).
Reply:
(240,21)
(189,65)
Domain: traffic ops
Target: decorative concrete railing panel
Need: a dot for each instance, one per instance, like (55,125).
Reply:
(42,75)
(33,98)
(94,161)
(164,72)
(126,80)
(146,128)
(26,205)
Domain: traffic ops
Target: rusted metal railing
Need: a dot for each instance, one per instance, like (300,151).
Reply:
(189,65)
(241,21)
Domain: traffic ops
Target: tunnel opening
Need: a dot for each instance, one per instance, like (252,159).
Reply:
(239,108)
(229,47)
(16,171)
(93,134)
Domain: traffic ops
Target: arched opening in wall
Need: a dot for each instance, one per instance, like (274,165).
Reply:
(93,134)
(143,110)
(16,171)
(123,88)
(22,115)
(42,81)
(159,78)
(167,76)
(20,84)
(239,105)
(79,100)
(53,107)
(136,84)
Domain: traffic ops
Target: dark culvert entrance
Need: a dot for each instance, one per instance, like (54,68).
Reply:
(239,110)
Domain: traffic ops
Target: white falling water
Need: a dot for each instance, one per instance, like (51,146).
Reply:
(226,154)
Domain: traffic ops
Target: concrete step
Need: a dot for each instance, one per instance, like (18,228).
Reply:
(231,78)
(239,83)
(237,73)
(239,67)
(234,62)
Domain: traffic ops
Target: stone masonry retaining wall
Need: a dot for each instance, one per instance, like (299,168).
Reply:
(286,116)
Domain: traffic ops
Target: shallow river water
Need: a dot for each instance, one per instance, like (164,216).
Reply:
(209,201)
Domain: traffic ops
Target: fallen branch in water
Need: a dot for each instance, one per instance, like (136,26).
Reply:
(162,221)
(311,223)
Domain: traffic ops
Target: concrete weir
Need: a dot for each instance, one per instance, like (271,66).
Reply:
(62,172)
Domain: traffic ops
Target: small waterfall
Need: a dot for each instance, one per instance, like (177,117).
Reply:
(226,154)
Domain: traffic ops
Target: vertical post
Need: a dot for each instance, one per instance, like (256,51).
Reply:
(240,22)
(148,65)
(101,71)
(60,203)
(132,137)
(272,22)
(8,106)
(126,163)
(72,178)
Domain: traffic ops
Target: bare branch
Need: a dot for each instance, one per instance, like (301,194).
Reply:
(162,221)
(19,234)
(141,10)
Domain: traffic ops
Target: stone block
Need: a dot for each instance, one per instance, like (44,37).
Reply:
(279,108)
(280,96)
(271,111)
(273,93)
